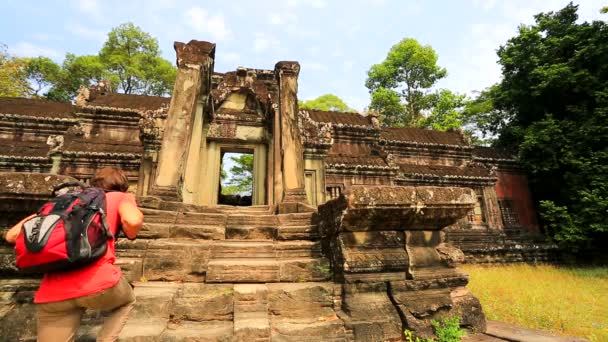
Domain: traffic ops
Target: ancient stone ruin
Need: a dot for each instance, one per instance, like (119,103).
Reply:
(354,229)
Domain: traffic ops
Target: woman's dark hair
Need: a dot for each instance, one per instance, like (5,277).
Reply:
(110,179)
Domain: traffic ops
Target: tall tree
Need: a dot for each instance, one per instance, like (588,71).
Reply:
(552,106)
(408,72)
(241,175)
(133,57)
(446,111)
(327,102)
(13,74)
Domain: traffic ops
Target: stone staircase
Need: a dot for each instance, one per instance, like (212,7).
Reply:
(222,274)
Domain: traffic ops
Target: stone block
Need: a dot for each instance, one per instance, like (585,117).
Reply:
(212,331)
(305,269)
(154,300)
(172,260)
(251,233)
(197,232)
(203,302)
(243,271)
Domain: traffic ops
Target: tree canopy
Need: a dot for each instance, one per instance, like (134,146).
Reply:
(327,102)
(241,175)
(129,59)
(402,82)
(402,89)
(552,107)
(13,74)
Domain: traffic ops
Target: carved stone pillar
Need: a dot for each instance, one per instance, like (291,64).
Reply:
(192,85)
(292,155)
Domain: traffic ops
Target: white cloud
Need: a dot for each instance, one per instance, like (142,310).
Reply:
(264,42)
(25,49)
(318,3)
(231,57)
(45,37)
(91,8)
(275,19)
(86,32)
(313,66)
(203,22)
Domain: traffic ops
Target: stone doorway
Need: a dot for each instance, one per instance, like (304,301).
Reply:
(236,178)
(217,153)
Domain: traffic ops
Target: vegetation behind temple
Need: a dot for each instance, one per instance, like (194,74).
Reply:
(552,107)
(130,59)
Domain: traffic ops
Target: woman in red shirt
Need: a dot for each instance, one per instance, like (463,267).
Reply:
(63,297)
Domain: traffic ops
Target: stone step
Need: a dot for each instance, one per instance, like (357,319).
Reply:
(265,249)
(306,232)
(243,249)
(166,230)
(251,220)
(243,270)
(176,260)
(267,270)
(184,218)
(251,321)
(251,232)
(207,331)
(295,219)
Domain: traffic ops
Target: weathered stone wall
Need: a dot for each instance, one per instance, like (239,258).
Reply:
(386,247)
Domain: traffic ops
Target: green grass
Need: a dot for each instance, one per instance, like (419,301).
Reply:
(562,300)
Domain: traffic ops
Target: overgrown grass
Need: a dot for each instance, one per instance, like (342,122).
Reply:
(561,300)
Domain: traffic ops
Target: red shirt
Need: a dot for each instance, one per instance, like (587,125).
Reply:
(93,278)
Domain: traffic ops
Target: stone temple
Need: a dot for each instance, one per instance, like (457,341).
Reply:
(353,233)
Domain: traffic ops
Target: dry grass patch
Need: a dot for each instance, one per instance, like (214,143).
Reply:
(564,301)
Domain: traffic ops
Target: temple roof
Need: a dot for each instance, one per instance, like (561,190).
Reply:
(36,107)
(93,146)
(339,118)
(352,154)
(128,101)
(425,136)
(14,148)
(445,171)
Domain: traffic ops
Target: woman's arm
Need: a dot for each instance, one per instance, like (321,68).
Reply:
(13,233)
(131,218)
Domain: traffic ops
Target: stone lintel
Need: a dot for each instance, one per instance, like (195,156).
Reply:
(195,52)
(287,67)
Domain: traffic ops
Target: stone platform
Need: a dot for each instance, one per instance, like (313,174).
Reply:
(363,268)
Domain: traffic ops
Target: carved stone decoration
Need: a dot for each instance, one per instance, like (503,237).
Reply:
(83,95)
(314,133)
(56,143)
(222,130)
(375,118)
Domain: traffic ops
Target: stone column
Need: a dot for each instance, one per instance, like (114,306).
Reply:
(192,84)
(292,155)
(492,210)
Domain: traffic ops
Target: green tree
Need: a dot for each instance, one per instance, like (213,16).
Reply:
(409,71)
(446,111)
(552,106)
(241,175)
(13,75)
(604,9)
(42,73)
(133,57)
(327,102)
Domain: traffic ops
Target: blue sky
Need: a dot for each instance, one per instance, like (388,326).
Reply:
(335,41)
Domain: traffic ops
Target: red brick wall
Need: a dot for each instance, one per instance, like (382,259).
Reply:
(514,185)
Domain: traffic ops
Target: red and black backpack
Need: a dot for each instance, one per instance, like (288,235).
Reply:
(68,232)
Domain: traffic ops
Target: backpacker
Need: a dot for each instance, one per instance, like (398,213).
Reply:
(68,232)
